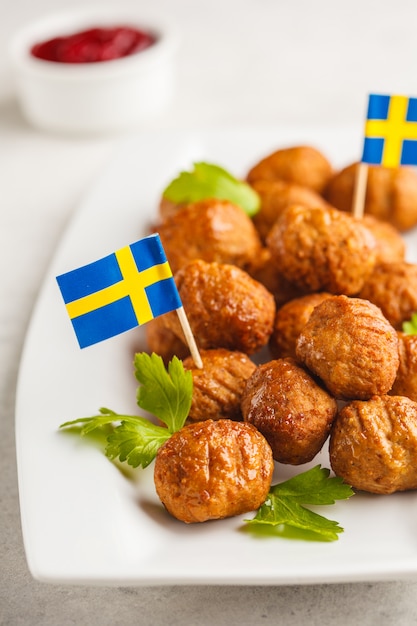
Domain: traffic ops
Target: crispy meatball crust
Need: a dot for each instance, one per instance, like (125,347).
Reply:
(405,383)
(351,347)
(390,246)
(266,271)
(391,194)
(212,470)
(290,409)
(226,308)
(290,320)
(212,230)
(218,386)
(275,195)
(393,288)
(322,249)
(373,444)
(302,165)
(168,208)
(163,341)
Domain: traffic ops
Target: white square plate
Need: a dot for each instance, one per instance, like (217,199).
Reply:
(83,520)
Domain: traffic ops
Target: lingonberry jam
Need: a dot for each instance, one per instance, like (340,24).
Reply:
(94,45)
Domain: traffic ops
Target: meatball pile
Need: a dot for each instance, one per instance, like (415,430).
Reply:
(298,314)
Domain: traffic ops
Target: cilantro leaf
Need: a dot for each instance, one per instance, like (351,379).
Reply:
(410,327)
(165,394)
(207,180)
(283,505)
(136,442)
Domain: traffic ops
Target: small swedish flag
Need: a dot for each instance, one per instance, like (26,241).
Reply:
(120,291)
(391,131)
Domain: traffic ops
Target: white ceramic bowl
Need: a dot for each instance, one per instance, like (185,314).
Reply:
(107,96)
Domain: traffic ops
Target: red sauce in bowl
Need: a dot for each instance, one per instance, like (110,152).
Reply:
(94,45)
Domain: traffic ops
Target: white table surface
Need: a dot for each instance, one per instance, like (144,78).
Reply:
(241,63)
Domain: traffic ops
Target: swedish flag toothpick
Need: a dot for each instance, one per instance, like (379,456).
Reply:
(123,290)
(391,131)
(390,140)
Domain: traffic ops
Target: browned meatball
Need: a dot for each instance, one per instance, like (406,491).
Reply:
(350,345)
(290,320)
(213,469)
(226,308)
(373,444)
(405,383)
(393,288)
(390,246)
(212,230)
(218,386)
(302,165)
(290,409)
(163,341)
(275,195)
(322,249)
(266,271)
(168,208)
(391,194)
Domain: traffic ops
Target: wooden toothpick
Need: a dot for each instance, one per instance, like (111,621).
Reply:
(189,337)
(359,191)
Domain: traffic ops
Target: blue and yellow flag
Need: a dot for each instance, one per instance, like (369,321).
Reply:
(391,131)
(119,292)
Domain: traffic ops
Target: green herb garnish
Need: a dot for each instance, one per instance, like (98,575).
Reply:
(212,181)
(284,504)
(410,327)
(165,394)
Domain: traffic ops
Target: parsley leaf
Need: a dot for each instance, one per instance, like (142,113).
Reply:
(314,487)
(136,442)
(207,180)
(88,424)
(167,395)
(283,510)
(283,505)
(410,327)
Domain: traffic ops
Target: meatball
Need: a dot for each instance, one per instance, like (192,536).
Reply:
(212,470)
(226,308)
(264,270)
(302,165)
(168,207)
(275,195)
(350,345)
(212,230)
(390,246)
(290,320)
(405,383)
(322,249)
(373,444)
(218,386)
(290,409)
(163,341)
(393,288)
(391,193)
